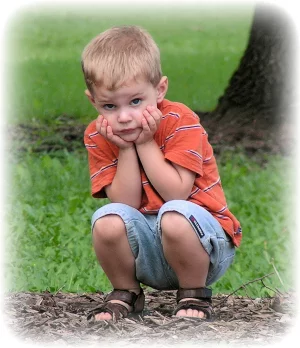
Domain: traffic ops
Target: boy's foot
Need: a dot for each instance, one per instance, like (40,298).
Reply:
(118,304)
(190,312)
(108,316)
(194,303)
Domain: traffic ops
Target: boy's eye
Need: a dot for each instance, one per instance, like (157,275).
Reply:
(136,101)
(109,106)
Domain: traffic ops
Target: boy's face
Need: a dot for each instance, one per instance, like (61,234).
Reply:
(123,108)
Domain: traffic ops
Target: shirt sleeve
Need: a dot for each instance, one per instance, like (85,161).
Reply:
(184,143)
(102,163)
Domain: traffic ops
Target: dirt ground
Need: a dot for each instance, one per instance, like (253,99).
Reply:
(66,133)
(60,318)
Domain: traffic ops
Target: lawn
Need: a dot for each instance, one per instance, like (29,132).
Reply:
(199,48)
(49,244)
(49,206)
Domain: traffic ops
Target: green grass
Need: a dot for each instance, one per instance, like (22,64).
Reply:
(200,49)
(50,212)
(49,243)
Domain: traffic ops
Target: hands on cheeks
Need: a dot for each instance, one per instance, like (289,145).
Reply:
(150,122)
(106,131)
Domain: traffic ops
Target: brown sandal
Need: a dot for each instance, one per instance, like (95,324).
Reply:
(117,310)
(201,300)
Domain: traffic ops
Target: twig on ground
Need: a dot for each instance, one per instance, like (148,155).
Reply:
(275,291)
(279,292)
(243,287)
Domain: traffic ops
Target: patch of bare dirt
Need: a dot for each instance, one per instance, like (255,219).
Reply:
(66,133)
(61,319)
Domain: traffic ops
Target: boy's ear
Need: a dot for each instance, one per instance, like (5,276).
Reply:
(162,89)
(90,97)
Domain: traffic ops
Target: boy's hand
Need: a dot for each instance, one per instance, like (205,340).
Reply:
(105,130)
(150,123)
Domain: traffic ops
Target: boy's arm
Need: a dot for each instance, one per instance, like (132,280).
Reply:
(126,186)
(170,180)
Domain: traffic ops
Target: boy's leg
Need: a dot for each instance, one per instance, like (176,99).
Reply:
(185,254)
(128,247)
(110,227)
(115,257)
(195,246)
(113,252)
(183,251)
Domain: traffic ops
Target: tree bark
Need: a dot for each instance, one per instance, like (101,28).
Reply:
(260,92)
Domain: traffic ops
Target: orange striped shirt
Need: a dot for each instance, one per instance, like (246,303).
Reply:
(183,141)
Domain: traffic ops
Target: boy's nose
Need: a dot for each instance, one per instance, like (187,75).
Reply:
(124,116)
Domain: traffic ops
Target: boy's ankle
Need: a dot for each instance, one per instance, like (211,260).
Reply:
(137,291)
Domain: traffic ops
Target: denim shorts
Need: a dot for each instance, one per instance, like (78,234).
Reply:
(144,236)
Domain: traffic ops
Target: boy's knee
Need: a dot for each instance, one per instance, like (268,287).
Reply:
(174,225)
(109,228)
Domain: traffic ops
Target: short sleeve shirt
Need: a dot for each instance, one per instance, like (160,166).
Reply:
(183,141)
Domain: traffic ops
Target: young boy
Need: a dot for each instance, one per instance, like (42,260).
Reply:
(168,225)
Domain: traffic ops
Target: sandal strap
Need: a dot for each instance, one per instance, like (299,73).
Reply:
(197,293)
(118,310)
(122,295)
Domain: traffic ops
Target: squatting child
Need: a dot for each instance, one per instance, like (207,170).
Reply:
(168,225)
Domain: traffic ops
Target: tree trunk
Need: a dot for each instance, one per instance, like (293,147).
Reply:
(259,94)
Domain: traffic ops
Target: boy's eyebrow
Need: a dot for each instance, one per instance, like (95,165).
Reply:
(103,100)
(139,94)
(130,97)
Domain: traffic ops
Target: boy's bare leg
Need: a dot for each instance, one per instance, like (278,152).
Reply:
(115,256)
(185,254)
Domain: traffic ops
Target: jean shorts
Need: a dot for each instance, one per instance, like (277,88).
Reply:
(144,237)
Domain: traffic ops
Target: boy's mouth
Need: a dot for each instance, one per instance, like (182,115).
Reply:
(126,131)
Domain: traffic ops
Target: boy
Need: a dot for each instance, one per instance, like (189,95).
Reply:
(168,225)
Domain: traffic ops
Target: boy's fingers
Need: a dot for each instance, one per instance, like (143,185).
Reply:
(101,124)
(145,124)
(99,119)
(113,138)
(104,129)
(154,112)
(98,123)
(104,124)
(157,115)
(149,118)
(109,132)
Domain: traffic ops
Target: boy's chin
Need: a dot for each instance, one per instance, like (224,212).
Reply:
(131,137)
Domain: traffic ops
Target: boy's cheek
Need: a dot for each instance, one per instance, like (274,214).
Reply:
(141,116)
(108,120)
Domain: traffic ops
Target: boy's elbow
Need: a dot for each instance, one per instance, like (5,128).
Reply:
(131,200)
(184,195)
(135,205)
(179,190)
(136,202)
(130,203)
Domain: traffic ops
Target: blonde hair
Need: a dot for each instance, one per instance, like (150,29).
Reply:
(119,55)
